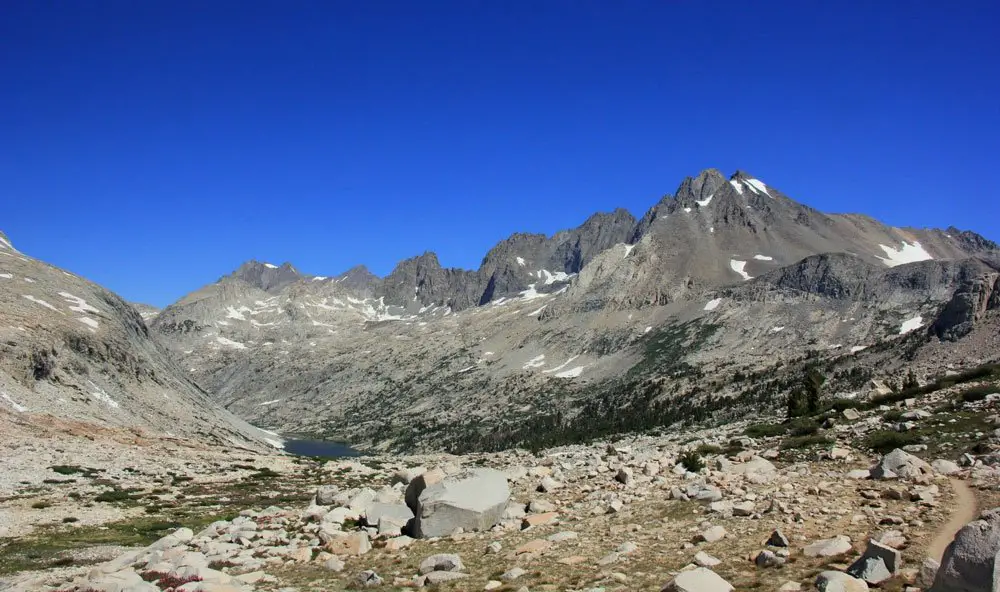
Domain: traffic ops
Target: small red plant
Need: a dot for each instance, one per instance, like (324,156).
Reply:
(165,581)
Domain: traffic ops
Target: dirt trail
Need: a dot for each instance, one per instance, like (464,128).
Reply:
(965,512)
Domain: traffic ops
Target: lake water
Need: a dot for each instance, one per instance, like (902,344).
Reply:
(319,448)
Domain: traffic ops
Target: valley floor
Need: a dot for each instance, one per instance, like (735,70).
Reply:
(608,516)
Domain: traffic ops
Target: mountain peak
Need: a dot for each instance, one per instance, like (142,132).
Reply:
(700,188)
(5,242)
(266,276)
(358,278)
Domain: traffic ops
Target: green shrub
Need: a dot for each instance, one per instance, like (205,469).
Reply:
(67,469)
(802,426)
(70,520)
(765,430)
(839,405)
(893,415)
(887,441)
(708,450)
(113,495)
(977,393)
(796,442)
(41,505)
(691,461)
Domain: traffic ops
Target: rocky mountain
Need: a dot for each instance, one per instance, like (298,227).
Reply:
(72,350)
(726,278)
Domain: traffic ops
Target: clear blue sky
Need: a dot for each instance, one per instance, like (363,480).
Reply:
(153,146)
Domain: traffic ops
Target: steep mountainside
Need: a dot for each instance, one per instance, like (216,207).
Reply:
(629,320)
(70,349)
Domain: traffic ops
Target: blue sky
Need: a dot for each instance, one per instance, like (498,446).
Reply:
(154,146)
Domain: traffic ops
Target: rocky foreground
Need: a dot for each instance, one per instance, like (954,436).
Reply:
(693,511)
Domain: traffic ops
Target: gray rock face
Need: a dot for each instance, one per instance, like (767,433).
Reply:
(972,560)
(471,500)
(72,349)
(977,294)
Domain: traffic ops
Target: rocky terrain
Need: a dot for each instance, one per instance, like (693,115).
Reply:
(71,350)
(719,297)
(852,497)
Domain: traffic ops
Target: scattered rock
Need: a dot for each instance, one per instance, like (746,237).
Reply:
(838,581)
(700,579)
(777,539)
(901,465)
(441,562)
(838,545)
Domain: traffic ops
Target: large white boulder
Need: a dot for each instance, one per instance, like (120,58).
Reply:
(473,500)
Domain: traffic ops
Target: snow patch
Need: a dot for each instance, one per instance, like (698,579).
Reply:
(230,343)
(536,362)
(29,280)
(560,366)
(910,325)
(269,266)
(320,278)
(42,302)
(78,304)
(465,369)
(102,396)
(571,373)
(551,278)
(738,267)
(92,323)
(520,261)
(6,276)
(628,249)
(266,403)
(6,397)
(858,348)
(737,186)
(908,253)
(535,312)
(647,330)
(234,313)
(763,258)
(688,210)
(777,329)
(704,202)
(6,244)
(713,304)
(757,186)
(530,294)
(712,230)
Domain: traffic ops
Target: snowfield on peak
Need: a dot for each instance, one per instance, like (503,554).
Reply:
(757,186)
(713,304)
(907,253)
